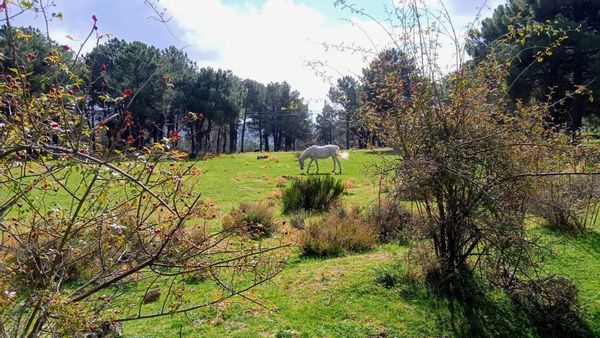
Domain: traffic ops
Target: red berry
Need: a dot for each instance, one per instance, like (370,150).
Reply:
(127,92)
(103,68)
(94,18)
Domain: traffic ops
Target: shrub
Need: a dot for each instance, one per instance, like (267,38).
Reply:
(316,193)
(337,233)
(566,203)
(253,219)
(391,220)
(298,221)
(551,304)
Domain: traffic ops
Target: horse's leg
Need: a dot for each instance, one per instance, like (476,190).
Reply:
(309,164)
(339,164)
(334,159)
(317,162)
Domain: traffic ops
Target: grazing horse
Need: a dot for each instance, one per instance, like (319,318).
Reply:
(320,152)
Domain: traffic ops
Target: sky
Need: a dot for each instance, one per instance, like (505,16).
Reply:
(265,40)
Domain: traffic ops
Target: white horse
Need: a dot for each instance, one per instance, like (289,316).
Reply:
(320,152)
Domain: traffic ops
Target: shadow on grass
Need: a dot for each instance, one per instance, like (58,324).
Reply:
(588,241)
(386,151)
(319,174)
(476,311)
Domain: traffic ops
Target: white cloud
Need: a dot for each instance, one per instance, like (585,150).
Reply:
(72,40)
(274,42)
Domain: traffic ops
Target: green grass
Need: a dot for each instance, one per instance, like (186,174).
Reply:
(231,179)
(339,297)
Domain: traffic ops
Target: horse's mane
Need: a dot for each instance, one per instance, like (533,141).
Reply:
(304,154)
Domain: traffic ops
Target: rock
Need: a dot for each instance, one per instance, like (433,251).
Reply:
(152,296)
(107,330)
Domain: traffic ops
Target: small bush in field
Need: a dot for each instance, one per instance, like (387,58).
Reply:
(253,219)
(391,219)
(316,193)
(551,304)
(567,203)
(337,233)
(298,221)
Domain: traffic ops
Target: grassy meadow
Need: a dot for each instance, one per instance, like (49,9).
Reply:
(341,297)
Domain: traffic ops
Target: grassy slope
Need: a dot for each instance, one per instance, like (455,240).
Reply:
(338,297)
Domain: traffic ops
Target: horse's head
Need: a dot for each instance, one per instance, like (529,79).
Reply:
(301,162)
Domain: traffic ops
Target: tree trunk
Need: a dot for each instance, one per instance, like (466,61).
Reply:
(233,136)
(192,140)
(347,132)
(243,132)
(266,136)
(224,139)
(207,139)
(260,135)
(577,107)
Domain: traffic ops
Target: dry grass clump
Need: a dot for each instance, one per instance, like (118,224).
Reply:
(252,219)
(339,232)
(281,181)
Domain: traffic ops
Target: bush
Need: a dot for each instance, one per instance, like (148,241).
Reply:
(253,219)
(337,233)
(391,220)
(298,221)
(316,193)
(567,203)
(552,306)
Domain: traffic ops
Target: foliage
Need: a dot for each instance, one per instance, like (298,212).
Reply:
(316,193)
(569,204)
(345,97)
(252,219)
(539,71)
(469,159)
(88,227)
(326,125)
(551,304)
(392,219)
(336,233)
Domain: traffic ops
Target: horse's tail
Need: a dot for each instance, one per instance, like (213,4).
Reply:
(344,155)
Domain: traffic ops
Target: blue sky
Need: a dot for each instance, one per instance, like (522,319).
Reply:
(267,40)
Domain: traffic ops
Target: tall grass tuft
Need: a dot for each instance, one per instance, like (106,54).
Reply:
(315,193)
(336,233)
(252,219)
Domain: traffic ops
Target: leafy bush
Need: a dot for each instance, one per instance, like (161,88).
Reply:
(391,219)
(337,233)
(316,193)
(551,304)
(253,219)
(567,203)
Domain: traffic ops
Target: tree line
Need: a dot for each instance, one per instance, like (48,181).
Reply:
(206,109)
(560,71)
